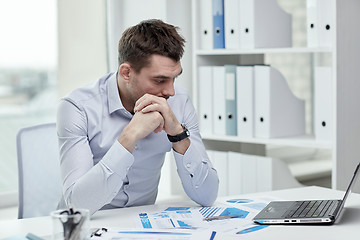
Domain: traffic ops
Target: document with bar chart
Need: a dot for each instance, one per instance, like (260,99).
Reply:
(221,218)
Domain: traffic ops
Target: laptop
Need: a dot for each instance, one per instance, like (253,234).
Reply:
(304,212)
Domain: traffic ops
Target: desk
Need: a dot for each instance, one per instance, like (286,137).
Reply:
(347,228)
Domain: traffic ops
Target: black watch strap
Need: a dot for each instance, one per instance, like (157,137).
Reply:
(181,136)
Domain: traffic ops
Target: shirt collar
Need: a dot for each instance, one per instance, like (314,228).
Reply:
(114,99)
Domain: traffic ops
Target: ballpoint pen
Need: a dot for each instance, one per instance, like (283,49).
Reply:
(222,217)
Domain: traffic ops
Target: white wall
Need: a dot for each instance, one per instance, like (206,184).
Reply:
(83,36)
(82,43)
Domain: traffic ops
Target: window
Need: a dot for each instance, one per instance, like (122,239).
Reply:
(28,64)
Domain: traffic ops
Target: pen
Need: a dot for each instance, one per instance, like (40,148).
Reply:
(222,217)
(212,235)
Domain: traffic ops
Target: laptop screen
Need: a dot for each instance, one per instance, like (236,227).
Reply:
(348,190)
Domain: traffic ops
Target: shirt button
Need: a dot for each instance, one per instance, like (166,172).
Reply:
(196,186)
(188,165)
(128,168)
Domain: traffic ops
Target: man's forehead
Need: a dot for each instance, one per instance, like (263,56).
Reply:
(164,66)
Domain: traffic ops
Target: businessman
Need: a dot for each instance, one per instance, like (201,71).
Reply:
(114,133)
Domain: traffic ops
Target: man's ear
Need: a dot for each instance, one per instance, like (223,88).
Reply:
(124,71)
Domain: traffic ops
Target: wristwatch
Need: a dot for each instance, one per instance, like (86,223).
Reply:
(180,136)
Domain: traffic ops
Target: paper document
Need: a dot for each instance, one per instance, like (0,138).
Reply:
(129,234)
(232,216)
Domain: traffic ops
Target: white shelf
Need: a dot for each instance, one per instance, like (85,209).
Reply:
(297,141)
(345,58)
(308,170)
(262,51)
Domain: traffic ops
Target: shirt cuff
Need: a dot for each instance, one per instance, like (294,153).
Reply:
(118,159)
(188,162)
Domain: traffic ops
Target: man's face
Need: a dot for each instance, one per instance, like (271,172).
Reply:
(157,79)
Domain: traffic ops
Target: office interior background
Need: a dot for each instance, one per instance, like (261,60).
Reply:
(50,47)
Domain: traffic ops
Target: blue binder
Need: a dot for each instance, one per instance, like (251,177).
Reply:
(218,23)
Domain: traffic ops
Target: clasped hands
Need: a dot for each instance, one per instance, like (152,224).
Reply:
(156,115)
(152,114)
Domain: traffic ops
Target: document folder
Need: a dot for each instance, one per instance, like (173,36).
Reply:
(273,174)
(235,179)
(326,22)
(219,100)
(218,23)
(312,23)
(320,23)
(245,101)
(264,24)
(230,100)
(205,100)
(232,24)
(323,104)
(278,113)
(249,173)
(206,25)
(220,162)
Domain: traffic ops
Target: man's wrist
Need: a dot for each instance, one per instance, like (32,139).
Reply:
(128,139)
(177,130)
(180,136)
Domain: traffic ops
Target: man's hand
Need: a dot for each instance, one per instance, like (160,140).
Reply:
(150,103)
(140,126)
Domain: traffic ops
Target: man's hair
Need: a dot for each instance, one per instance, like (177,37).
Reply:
(149,37)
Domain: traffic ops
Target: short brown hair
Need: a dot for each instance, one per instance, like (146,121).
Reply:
(149,37)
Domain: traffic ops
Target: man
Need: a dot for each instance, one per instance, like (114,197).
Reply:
(114,134)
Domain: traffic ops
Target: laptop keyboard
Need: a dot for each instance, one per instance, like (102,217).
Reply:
(310,209)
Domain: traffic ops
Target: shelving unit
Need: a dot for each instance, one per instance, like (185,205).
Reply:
(296,141)
(200,52)
(345,63)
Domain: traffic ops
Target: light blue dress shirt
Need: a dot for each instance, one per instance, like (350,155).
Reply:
(98,172)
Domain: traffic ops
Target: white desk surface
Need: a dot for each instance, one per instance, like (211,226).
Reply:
(348,227)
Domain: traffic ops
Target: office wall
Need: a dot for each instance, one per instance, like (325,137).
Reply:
(83,37)
(82,43)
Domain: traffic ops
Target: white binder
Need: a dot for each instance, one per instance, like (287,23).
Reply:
(264,172)
(232,24)
(273,174)
(320,23)
(235,173)
(219,126)
(326,22)
(312,23)
(264,24)
(278,113)
(230,100)
(323,104)
(205,100)
(206,24)
(245,101)
(249,173)
(220,163)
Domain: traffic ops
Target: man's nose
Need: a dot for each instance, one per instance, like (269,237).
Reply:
(169,90)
